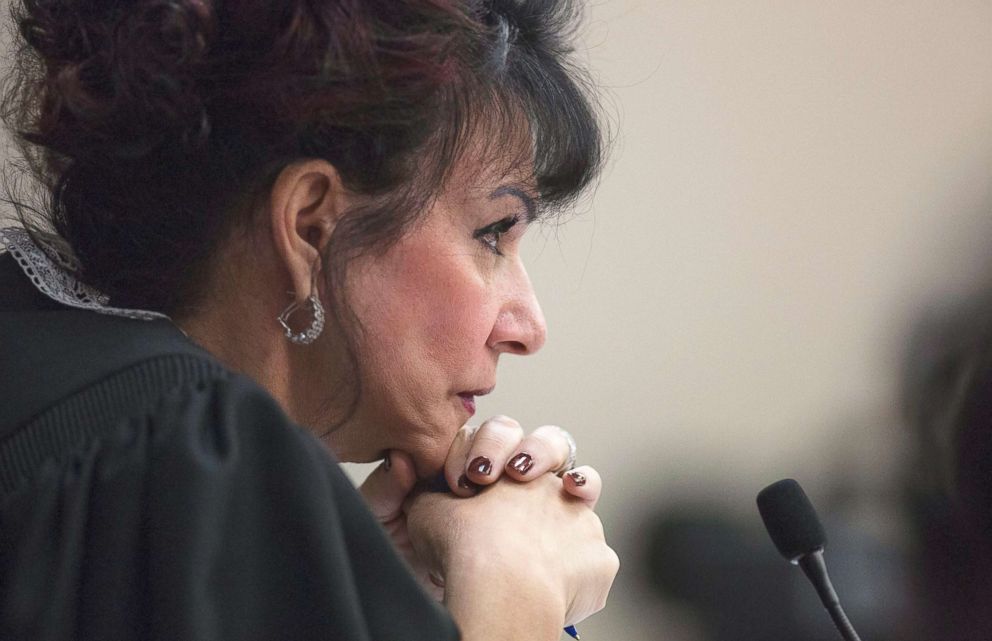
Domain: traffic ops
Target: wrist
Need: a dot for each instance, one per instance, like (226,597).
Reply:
(492,599)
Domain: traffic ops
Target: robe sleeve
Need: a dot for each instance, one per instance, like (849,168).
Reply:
(210,517)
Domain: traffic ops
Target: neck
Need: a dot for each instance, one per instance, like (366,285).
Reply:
(244,343)
(238,323)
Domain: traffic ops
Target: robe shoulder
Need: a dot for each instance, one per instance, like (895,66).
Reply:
(202,513)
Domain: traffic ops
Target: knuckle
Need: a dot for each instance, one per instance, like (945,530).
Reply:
(596,527)
(503,419)
(601,601)
(540,455)
(515,433)
(610,568)
(553,435)
(489,440)
(613,562)
(548,441)
(549,431)
(608,573)
(501,433)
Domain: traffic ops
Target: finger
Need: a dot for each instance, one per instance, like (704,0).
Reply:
(584,483)
(491,448)
(543,450)
(388,485)
(454,464)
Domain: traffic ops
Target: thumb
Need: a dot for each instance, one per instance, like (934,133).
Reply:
(388,485)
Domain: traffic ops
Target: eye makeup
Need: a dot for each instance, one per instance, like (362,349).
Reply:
(490,235)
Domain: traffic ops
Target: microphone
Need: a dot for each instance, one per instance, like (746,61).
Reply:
(795,530)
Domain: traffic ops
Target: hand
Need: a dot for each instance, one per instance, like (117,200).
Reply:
(479,456)
(501,442)
(529,549)
(385,490)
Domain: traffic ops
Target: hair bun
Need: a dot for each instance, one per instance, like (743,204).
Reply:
(119,79)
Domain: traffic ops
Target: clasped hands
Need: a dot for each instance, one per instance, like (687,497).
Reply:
(507,515)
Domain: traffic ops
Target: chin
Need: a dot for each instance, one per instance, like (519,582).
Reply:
(428,442)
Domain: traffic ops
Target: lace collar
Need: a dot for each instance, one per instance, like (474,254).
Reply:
(51,272)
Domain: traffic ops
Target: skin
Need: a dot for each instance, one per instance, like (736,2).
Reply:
(437,310)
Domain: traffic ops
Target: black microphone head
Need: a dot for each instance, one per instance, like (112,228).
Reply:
(790,519)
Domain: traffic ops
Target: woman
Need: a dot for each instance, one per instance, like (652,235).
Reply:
(286,212)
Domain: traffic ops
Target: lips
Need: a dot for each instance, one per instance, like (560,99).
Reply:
(468,399)
(468,402)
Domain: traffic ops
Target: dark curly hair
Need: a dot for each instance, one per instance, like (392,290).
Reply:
(155,126)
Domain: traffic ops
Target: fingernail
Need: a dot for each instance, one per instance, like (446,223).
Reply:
(481,465)
(465,484)
(521,463)
(388,463)
(577,478)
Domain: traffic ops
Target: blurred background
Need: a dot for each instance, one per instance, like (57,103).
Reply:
(793,230)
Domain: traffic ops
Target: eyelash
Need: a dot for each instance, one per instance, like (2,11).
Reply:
(491,234)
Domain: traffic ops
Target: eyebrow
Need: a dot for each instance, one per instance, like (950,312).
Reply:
(529,203)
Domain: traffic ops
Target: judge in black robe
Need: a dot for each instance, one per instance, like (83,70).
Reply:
(146,492)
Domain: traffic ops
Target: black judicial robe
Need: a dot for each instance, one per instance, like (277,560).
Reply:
(146,492)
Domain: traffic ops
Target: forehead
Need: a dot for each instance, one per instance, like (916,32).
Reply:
(481,193)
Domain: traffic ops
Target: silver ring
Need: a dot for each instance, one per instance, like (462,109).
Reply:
(569,463)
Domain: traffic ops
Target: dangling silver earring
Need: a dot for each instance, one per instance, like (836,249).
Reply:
(311,333)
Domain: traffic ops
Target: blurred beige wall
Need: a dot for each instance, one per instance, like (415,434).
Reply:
(793,183)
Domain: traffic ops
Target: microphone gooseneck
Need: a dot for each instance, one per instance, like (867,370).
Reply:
(795,530)
(815,569)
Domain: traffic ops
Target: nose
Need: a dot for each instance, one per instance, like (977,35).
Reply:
(520,327)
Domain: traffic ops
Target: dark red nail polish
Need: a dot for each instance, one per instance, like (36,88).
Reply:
(388,463)
(481,465)
(578,478)
(521,463)
(464,483)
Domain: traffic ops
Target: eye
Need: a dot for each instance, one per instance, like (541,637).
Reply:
(490,234)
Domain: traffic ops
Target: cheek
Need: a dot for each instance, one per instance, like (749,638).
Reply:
(427,309)
(450,309)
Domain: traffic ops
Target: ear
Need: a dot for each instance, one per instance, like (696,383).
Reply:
(304,204)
